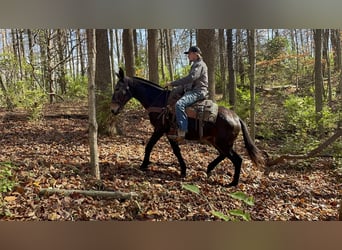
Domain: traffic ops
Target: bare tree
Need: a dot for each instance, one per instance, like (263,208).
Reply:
(153,55)
(80,51)
(117,42)
(318,78)
(206,40)
(94,154)
(252,62)
(128,51)
(103,79)
(222,58)
(327,68)
(240,67)
(111,55)
(231,74)
(61,46)
(169,52)
(162,53)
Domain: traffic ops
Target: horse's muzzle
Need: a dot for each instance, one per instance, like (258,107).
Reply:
(115,108)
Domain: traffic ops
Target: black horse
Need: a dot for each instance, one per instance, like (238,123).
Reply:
(221,134)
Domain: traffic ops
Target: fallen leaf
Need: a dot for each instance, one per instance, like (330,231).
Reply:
(10,198)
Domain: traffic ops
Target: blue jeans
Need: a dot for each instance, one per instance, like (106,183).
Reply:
(186,100)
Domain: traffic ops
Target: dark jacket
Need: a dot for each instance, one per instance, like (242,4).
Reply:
(196,80)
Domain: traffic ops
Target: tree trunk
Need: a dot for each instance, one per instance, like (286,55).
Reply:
(336,48)
(94,155)
(72,57)
(80,50)
(49,64)
(251,59)
(103,74)
(206,40)
(127,43)
(326,55)
(153,55)
(61,46)
(222,57)
(137,62)
(239,60)
(117,38)
(111,55)
(297,59)
(162,53)
(21,52)
(169,52)
(318,79)
(106,121)
(31,58)
(231,81)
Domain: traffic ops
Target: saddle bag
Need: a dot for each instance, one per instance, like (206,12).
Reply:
(206,110)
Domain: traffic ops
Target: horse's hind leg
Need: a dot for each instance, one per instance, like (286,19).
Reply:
(214,163)
(176,151)
(237,161)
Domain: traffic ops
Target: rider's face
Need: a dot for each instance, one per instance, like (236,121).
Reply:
(192,56)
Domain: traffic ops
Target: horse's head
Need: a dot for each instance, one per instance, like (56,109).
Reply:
(121,94)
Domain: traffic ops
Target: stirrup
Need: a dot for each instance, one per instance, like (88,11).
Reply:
(179,137)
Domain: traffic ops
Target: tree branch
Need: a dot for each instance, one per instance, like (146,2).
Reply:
(93,193)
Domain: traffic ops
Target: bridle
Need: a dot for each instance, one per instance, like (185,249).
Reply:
(121,93)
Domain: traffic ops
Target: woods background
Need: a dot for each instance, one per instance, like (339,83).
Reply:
(300,68)
(285,83)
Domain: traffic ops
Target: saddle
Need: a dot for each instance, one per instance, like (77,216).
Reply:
(204,110)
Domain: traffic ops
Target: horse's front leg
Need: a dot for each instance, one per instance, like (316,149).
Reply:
(176,151)
(153,140)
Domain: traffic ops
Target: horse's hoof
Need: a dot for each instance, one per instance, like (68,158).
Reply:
(183,175)
(143,168)
(232,184)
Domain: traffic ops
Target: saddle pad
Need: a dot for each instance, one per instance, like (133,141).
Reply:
(206,110)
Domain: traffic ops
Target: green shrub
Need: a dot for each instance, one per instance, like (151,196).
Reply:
(302,125)
(23,95)
(78,88)
(7,182)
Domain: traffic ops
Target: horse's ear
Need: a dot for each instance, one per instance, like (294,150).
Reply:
(121,74)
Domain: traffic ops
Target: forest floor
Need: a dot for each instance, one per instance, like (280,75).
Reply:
(54,153)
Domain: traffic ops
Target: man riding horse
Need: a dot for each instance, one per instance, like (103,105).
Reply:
(195,88)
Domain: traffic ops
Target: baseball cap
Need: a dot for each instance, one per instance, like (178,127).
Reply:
(193,49)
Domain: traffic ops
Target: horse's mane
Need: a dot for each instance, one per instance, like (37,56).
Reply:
(149,82)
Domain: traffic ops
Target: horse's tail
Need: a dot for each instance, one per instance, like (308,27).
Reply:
(253,151)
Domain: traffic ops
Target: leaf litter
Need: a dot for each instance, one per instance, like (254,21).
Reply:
(54,153)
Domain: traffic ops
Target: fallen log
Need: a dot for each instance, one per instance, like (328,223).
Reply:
(93,193)
(311,154)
